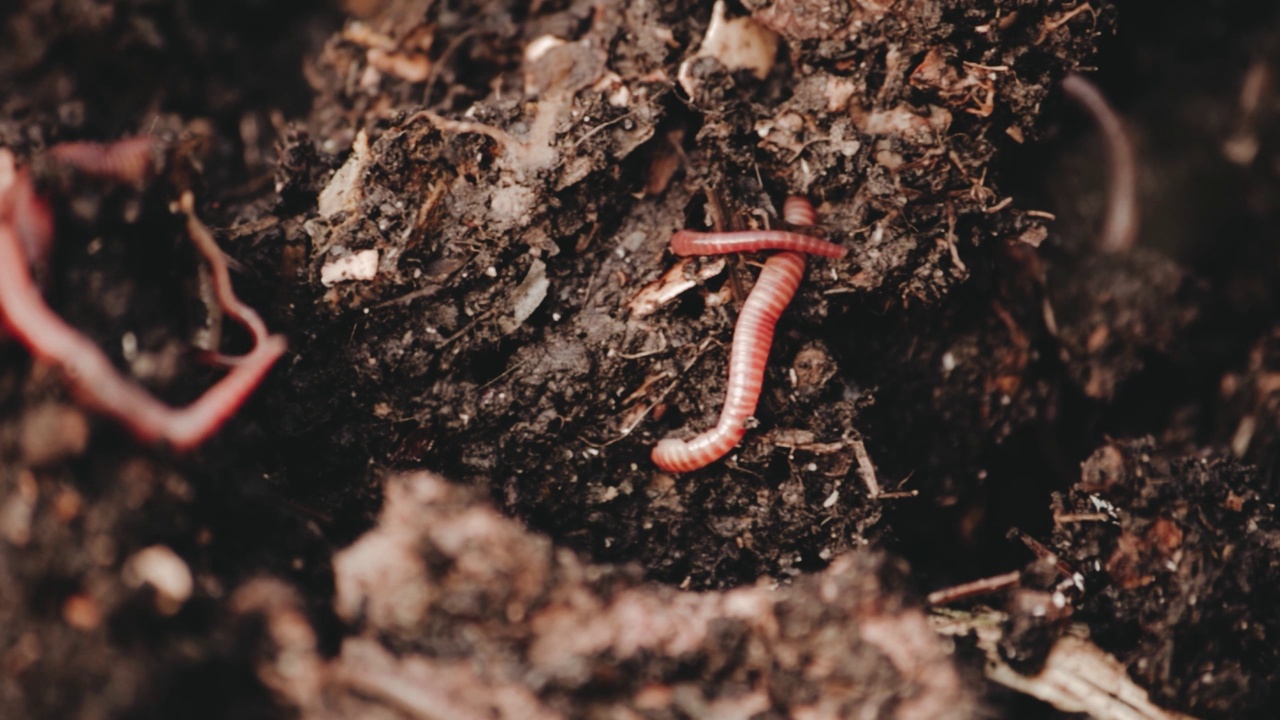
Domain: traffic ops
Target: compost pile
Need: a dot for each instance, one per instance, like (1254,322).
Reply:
(1013,457)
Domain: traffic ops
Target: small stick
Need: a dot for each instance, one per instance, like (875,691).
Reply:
(1043,553)
(1071,518)
(866,470)
(963,591)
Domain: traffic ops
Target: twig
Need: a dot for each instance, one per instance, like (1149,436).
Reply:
(463,127)
(963,591)
(1043,553)
(866,470)
(1077,677)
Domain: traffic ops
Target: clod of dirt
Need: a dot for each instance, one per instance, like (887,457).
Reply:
(460,611)
(1116,311)
(67,590)
(740,43)
(1250,397)
(1179,556)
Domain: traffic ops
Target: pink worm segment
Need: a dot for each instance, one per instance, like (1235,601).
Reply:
(798,211)
(752,338)
(1120,229)
(129,160)
(690,242)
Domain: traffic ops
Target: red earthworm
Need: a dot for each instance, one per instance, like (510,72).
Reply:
(753,335)
(94,380)
(28,216)
(797,210)
(222,290)
(1120,229)
(129,161)
(690,242)
(89,373)
(752,338)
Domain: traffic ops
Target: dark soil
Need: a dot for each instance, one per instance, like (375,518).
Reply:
(512,172)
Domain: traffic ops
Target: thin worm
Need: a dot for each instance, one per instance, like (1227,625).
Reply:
(94,380)
(690,242)
(89,373)
(1120,229)
(226,296)
(752,338)
(29,217)
(129,161)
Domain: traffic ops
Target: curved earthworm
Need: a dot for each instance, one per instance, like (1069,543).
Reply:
(1121,225)
(753,335)
(90,376)
(796,210)
(226,296)
(690,242)
(95,381)
(752,338)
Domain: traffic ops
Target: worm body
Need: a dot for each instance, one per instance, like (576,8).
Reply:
(1120,229)
(29,218)
(26,222)
(690,242)
(128,161)
(798,210)
(752,338)
(753,335)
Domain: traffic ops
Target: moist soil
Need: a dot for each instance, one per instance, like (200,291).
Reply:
(976,388)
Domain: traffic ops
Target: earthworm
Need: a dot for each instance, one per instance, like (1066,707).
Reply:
(1120,228)
(90,376)
(30,219)
(129,161)
(691,242)
(797,210)
(752,338)
(221,276)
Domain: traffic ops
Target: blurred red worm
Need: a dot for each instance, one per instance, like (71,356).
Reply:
(26,224)
(752,336)
(129,161)
(1120,229)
